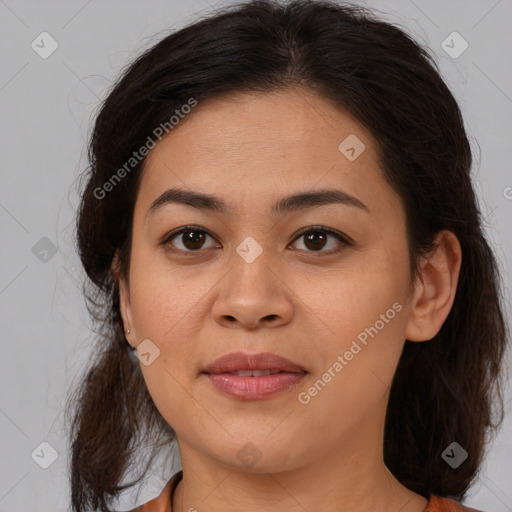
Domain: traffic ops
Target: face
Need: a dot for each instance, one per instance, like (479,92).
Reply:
(323,283)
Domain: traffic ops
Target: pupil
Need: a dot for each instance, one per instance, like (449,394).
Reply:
(314,239)
(193,239)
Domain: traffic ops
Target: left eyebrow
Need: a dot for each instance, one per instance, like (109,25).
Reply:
(295,202)
(304,200)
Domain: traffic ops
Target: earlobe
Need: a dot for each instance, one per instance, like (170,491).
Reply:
(125,307)
(435,288)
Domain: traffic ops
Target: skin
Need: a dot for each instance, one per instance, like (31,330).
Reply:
(249,150)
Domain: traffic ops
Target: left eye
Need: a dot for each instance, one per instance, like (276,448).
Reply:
(315,240)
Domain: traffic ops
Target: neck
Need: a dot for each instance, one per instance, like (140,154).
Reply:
(353,478)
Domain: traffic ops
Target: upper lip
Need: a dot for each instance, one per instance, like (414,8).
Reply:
(235,361)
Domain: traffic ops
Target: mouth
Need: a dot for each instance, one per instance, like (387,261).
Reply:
(254,373)
(263,361)
(253,376)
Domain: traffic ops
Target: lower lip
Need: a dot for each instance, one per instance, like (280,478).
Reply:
(253,388)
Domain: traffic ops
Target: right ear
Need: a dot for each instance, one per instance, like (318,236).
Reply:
(124,301)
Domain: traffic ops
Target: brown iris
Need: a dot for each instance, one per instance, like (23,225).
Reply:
(315,241)
(193,239)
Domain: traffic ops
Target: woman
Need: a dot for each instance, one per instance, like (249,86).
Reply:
(279,219)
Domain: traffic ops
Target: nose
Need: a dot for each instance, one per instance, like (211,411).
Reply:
(253,295)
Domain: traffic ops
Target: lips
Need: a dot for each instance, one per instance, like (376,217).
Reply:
(253,376)
(261,364)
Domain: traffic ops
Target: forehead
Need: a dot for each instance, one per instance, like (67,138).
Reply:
(264,125)
(250,147)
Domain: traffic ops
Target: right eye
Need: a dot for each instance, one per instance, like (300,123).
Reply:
(188,239)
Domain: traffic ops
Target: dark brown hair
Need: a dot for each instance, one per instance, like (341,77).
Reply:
(444,389)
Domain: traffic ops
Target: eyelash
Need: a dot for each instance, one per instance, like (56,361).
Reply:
(344,239)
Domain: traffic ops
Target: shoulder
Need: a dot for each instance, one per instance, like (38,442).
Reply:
(438,504)
(162,503)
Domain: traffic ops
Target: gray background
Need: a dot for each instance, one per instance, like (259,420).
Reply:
(47,106)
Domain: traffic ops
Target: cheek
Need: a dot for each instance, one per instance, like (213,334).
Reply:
(165,301)
(349,299)
(362,317)
(366,332)
(357,365)
(167,315)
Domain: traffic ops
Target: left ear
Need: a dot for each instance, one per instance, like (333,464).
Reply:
(435,289)
(124,301)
